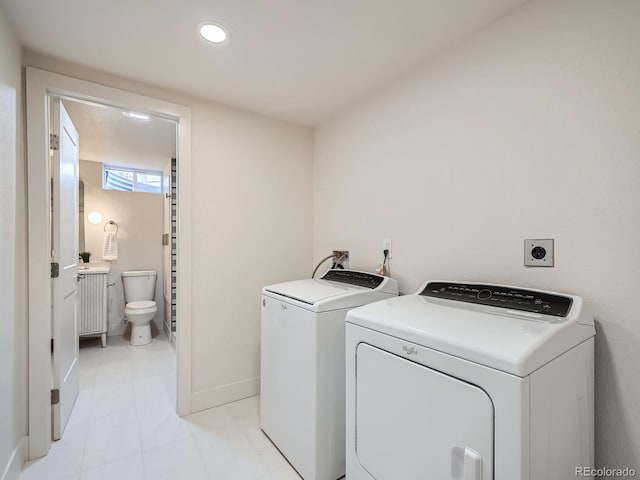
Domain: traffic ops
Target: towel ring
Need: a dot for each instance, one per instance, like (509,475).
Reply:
(111,222)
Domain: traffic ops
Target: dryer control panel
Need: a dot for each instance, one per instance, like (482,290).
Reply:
(352,277)
(499,296)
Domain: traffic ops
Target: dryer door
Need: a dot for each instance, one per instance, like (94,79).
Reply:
(414,422)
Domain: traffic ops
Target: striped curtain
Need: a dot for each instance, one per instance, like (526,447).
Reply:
(174,236)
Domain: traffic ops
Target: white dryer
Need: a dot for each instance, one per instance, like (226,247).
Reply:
(302,373)
(470,381)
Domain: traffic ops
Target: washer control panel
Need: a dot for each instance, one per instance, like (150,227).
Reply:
(498,296)
(351,277)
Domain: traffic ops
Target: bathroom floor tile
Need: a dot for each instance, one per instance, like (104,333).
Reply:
(112,437)
(210,418)
(226,450)
(130,468)
(176,460)
(268,455)
(64,459)
(285,473)
(116,399)
(154,389)
(245,409)
(159,425)
(124,426)
(81,412)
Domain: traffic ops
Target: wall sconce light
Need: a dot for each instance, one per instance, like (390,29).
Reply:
(94,218)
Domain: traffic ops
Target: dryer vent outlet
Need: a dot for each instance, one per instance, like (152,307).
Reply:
(538,252)
(341,258)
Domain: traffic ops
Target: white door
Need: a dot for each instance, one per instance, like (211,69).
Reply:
(65,254)
(415,422)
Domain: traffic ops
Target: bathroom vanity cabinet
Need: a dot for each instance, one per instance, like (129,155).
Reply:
(93,300)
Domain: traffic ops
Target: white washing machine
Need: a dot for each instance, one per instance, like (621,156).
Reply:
(470,381)
(302,373)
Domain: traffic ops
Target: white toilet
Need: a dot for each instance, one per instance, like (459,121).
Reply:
(139,293)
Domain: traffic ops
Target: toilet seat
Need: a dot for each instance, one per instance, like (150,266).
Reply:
(141,304)
(140,307)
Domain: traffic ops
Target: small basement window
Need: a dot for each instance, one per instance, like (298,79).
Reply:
(131,180)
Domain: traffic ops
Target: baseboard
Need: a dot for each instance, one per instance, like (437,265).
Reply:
(213,397)
(17,459)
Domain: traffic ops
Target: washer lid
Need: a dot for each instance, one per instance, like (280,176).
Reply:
(516,342)
(324,295)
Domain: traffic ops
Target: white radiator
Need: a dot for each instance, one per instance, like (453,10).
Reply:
(92,304)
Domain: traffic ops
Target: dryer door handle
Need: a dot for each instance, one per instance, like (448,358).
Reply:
(472,464)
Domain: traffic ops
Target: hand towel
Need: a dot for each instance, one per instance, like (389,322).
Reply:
(110,246)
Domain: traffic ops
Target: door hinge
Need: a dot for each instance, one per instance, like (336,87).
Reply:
(55,269)
(55,396)
(54,141)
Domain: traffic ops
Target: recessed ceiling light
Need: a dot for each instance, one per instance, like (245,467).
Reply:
(136,115)
(213,33)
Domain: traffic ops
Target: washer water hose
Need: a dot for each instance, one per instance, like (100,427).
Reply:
(335,263)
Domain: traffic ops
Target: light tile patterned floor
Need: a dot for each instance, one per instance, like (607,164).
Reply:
(124,426)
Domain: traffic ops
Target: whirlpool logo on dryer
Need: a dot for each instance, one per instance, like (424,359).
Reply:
(409,350)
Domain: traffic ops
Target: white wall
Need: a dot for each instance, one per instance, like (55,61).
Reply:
(140,229)
(252,204)
(252,201)
(13,265)
(528,129)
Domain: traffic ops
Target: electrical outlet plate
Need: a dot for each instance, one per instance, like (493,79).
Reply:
(386,245)
(538,252)
(345,261)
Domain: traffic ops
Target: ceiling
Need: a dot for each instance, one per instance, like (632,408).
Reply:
(107,136)
(297,60)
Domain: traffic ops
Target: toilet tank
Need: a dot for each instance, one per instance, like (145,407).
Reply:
(139,285)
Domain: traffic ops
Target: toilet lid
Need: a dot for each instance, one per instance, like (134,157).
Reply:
(141,304)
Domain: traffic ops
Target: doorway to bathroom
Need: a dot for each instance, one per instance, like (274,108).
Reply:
(42,89)
(127,222)
(126,279)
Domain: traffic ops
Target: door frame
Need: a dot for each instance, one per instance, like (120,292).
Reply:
(40,85)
